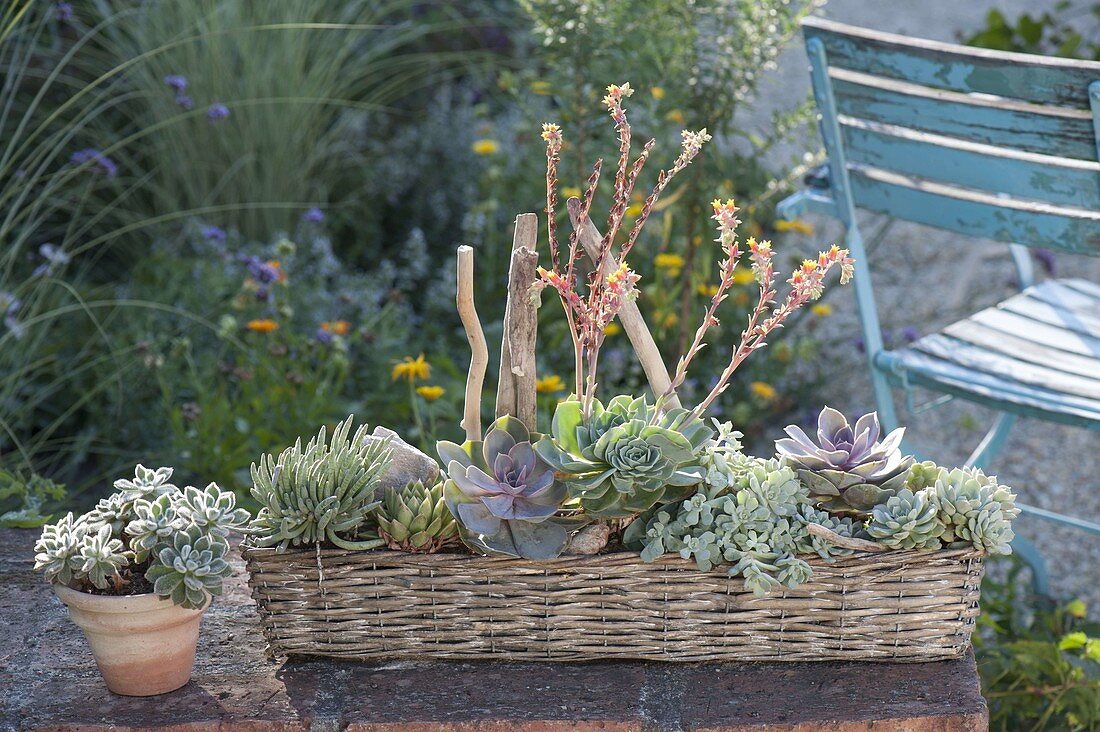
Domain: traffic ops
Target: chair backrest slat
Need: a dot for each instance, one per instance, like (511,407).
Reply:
(984,167)
(1039,79)
(988,144)
(975,214)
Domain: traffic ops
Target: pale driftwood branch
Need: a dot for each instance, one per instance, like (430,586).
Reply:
(516,387)
(845,542)
(645,348)
(479,350)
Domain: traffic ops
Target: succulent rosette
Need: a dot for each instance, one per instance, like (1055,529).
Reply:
(626,458)
(503,496)
(848,470)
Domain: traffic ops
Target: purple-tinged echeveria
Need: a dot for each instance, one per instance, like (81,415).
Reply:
(503,495)
(848,470)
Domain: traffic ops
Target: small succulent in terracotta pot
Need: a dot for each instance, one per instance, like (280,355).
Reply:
(138,571)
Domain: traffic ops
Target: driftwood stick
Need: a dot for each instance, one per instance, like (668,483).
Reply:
(645,348)
(516,386)
(845,542)
(479,350)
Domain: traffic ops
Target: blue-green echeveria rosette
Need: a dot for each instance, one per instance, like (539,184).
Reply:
(503,496)
(624,458)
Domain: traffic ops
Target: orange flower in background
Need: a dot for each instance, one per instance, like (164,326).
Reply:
(336,327)
(550,384)
(274,264)
(264,325)
(430,393)
(412,369)
(764,391)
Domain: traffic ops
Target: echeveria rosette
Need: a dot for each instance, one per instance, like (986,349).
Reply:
(848,470)
(191,569)
(503,496)
(625,459)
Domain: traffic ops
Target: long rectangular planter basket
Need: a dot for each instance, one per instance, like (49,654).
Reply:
(378,605)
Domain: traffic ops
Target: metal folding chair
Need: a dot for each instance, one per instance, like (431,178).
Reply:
(989,144)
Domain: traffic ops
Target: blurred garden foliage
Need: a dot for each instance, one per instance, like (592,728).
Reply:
(224,222)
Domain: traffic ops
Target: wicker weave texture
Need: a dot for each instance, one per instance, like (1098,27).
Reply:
(898,606)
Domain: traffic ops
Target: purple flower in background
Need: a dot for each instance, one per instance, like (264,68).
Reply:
(99,162)
(324,336)
(63,10)
(177,82)
(1046,258)
(9,308)
(54,257)
(262,294)
(910,334)
(217,112)
(314,215)
(213,233)
(185,101)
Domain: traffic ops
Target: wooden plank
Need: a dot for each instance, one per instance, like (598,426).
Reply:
(942,113)
(970,356)
(1004,394)
(975,214)
(1080,296)
(1037,331)
(516,382)
(1022,348)
(985,167)
(1089,288)
(1046,306)
(949,66)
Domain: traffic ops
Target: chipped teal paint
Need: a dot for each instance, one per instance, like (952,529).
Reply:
(1069,221)
(955,68)
(1067,186)
(1048,135)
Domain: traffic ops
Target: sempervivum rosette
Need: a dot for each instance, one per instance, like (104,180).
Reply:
(848,470)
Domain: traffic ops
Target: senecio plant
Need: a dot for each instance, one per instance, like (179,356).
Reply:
(321,492)
(176,538)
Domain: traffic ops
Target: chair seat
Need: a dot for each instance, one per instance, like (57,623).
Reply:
(1035,354)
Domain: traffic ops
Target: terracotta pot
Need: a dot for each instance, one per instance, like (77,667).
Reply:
(144,645)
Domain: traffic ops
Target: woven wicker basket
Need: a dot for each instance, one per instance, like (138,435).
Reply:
(897,606)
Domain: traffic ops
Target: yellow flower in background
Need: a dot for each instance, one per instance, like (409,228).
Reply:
(669,263)
(670,320)
(571,192)
(542,88)
(675,116)
(634,210)
(412,369)
(743,276)
(658,93)
(265,325)
(612,328)
(336,327)
(486,147)
(1077,609)
(763,390)
(549,384)
(822,309)
(430,393)
(794,225)
(707,290)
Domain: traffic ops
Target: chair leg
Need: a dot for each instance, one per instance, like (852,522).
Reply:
(1040,580)
(992,443)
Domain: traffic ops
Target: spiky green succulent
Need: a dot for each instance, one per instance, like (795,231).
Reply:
(191,569)
(503,496)
(907,520)
(416,519)
(974,509)
(625,457)
(848,470)
(320,492)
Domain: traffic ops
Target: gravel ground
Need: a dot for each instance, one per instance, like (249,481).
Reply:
(1051,466)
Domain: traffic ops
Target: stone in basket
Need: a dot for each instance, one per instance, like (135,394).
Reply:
(633,528)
